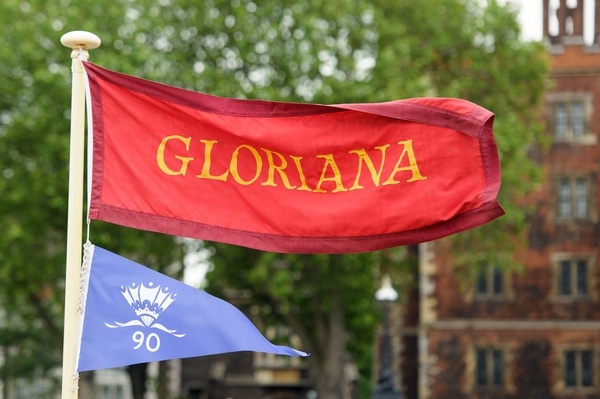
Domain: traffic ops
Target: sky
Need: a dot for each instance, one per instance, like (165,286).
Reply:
(531,14)
(530,17)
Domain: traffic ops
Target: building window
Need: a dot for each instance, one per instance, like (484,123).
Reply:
(489,367)
(280,334)
(578,368)
(573,278)
(112,383)
(569,117)
(490,282)
(573,198)
(110,392)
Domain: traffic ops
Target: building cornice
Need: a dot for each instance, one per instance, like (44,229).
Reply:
(482,324)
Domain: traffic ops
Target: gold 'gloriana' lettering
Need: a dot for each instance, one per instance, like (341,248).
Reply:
(205,174)
(412,165)
(330,180)
(304,186)
(364,157)
(336,178)
(160,156)
(233,167)
(276,168)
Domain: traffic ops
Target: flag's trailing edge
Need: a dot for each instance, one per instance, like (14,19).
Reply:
(289,177)
(133,314)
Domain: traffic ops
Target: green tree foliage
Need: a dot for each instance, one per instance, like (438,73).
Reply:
(327,300)
(34,151)
(443,48)
(460,49)
(310,50)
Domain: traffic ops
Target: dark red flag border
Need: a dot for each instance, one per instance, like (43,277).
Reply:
(477,124)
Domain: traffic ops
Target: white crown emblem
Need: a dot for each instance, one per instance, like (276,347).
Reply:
(148,301)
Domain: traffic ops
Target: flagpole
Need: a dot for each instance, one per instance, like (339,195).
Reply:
(79,42)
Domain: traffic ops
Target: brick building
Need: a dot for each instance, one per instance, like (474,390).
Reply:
(534,334)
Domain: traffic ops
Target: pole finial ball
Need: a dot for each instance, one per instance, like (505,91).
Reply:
(80,39)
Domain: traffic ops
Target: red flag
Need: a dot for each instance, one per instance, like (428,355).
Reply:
(289,177)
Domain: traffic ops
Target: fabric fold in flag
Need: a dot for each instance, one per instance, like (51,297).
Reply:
(133,314)
(288,177)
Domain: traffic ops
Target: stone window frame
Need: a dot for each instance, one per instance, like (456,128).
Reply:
(471,368)
(573,177)
(507,284)
(561,384)
(588,137)
(557,260)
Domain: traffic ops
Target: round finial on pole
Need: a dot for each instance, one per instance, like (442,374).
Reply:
(80,39)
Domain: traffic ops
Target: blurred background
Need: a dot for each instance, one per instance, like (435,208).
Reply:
(507,310)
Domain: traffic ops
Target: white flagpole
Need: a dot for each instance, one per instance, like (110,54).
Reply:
(80,42)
